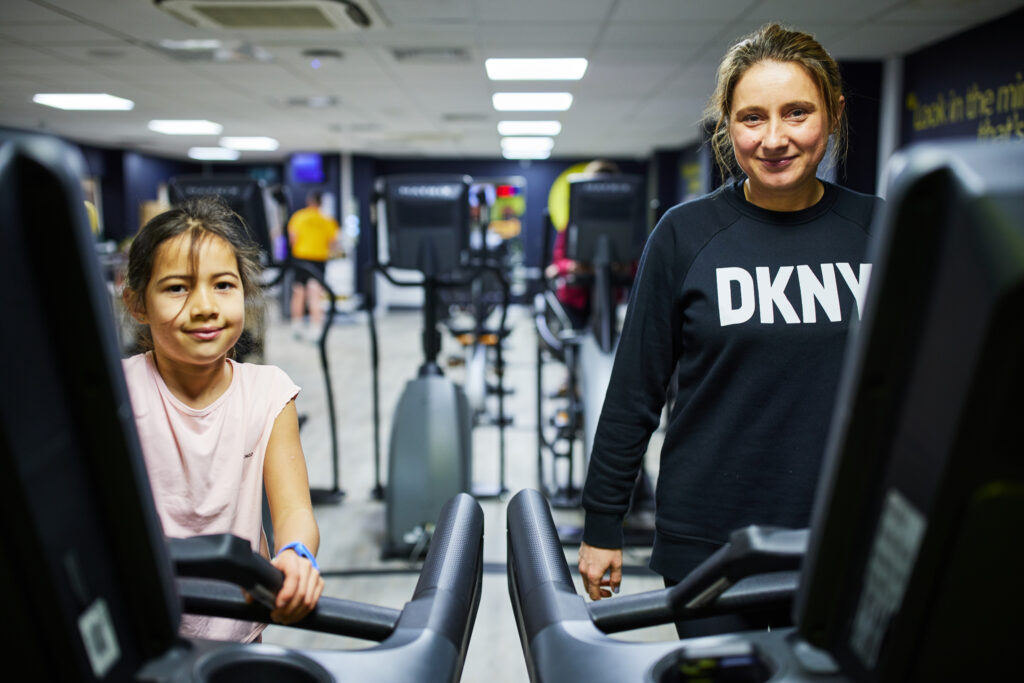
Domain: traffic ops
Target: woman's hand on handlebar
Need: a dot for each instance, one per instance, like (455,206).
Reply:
(601,570)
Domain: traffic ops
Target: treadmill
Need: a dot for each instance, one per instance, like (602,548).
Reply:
(95,592)
(911,569)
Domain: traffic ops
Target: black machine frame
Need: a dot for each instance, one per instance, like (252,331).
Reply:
(922,485)
(96,594)
(240,192)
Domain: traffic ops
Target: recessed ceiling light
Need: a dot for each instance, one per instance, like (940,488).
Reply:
(529,127)
(191,44)
(185,127)
(83,101)
(527,143)
(525,154)
(532,101)
(213,154)
(253,143)
(571,69)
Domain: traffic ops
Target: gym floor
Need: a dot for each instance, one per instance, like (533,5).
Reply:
(352,531)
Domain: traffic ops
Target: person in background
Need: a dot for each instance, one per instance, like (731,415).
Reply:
(311,235)
(575,298)
(215,432)
(749,291)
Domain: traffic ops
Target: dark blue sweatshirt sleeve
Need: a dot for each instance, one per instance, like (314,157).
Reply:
(647,352)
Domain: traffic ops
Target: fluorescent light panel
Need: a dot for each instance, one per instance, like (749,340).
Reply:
(185,127)
(529,127)
(532,101)
(83,101)
(252,143)
(525,154)
(569,69)
(213,154)
(191,44)
(527,143)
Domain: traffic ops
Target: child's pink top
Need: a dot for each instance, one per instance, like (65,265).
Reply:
(206,466)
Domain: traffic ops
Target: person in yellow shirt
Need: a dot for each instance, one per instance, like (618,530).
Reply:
(311,235)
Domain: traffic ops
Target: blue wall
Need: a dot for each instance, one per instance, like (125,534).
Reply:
(142,176)
(862,88)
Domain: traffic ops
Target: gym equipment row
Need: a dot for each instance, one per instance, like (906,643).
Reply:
(908,572)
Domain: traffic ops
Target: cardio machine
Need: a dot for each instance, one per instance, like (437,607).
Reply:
(475,316)
(910,571)
(431,449)
(606,232)
(99,592)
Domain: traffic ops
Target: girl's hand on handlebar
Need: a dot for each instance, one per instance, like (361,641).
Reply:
(300,591)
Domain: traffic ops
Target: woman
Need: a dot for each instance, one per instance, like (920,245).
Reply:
(749,291)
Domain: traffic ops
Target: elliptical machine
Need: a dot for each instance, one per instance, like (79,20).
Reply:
(487,297)
(426,220)
(607,229)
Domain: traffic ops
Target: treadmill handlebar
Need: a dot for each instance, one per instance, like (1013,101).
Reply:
(751,550)
(452,558)
(447,592)
(226,557)
(331,615)
(444,600)
(761,563)
(762,560)
(539,582)
(653,608)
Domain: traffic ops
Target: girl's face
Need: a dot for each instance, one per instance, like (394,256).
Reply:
(779,130)
(195,318)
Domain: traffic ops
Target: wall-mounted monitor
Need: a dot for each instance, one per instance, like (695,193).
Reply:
(308,168)
(606,213)
(246,197)
(427,219)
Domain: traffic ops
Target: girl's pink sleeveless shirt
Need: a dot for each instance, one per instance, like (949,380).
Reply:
(206,466)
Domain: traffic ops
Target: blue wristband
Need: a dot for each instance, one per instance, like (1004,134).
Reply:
(302,551)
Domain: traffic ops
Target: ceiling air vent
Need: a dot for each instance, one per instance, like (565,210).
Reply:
(431,55)
(336,15)
(313,101)
(465,117)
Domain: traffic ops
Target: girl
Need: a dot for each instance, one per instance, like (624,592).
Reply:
(213,431)
(749,291)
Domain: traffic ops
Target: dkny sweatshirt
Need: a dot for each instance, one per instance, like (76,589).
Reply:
(753,306)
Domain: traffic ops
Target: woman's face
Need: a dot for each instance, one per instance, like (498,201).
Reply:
(779,130)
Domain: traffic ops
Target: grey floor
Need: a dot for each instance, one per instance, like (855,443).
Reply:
(352,531)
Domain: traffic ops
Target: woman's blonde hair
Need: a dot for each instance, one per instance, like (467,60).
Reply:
(773,42)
